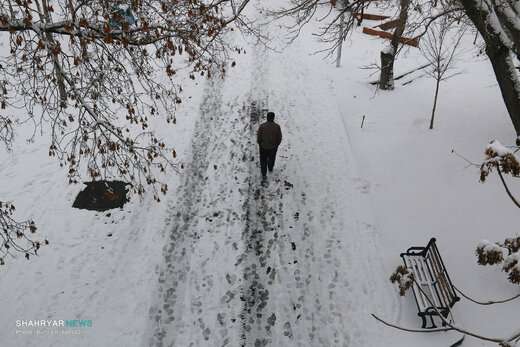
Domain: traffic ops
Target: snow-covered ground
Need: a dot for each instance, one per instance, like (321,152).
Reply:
(301,262)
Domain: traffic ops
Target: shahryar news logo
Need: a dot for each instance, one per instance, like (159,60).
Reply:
(52,326)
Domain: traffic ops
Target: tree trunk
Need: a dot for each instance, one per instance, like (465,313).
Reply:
(342,6)
(386,79)
(508,82)
(499,55)
(435,102)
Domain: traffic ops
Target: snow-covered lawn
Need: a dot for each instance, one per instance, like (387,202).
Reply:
(302,262)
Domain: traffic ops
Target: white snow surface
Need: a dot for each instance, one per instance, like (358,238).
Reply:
(304,261)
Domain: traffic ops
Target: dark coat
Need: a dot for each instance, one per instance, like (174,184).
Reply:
(269,135)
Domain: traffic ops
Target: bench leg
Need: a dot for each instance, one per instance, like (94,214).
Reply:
(423,322)
(433,323)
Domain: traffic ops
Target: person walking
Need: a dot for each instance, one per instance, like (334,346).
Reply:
(269,137)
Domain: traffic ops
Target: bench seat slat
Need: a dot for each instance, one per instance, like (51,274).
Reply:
(419,297)
(428,282)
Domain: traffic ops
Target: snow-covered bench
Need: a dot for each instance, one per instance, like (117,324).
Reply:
(435,285)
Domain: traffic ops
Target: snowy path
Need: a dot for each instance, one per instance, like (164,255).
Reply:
(329,267)
(291,264)
(198,285)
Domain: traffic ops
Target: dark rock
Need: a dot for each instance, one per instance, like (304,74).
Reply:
(102,195)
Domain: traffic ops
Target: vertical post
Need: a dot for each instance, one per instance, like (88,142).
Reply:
(342,4)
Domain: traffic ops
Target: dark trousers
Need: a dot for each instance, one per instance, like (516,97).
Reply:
(267,158)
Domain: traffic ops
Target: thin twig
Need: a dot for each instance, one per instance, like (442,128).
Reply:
(506,187)
(465,159)
(406,73)
(490,302)
(408,329)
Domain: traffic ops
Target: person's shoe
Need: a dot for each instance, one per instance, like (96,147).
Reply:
(264,181)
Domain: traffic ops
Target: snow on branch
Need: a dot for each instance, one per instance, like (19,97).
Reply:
(502,159)
(16,236)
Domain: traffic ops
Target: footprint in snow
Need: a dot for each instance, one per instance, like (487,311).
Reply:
(271,320)
(231,278)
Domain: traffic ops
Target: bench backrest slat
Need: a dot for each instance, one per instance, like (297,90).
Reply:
(436,275)
(440,279)
(446,278)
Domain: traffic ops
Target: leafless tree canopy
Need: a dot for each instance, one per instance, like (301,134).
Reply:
(83,66)
(422,14)
(303,11)
(94,74)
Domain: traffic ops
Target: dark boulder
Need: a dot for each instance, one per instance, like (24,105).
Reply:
(102,195)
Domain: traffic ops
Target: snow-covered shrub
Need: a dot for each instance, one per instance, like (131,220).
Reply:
(506,253)
(500,157)
(512,266)
(403,278)
(513,244)
(489,253)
